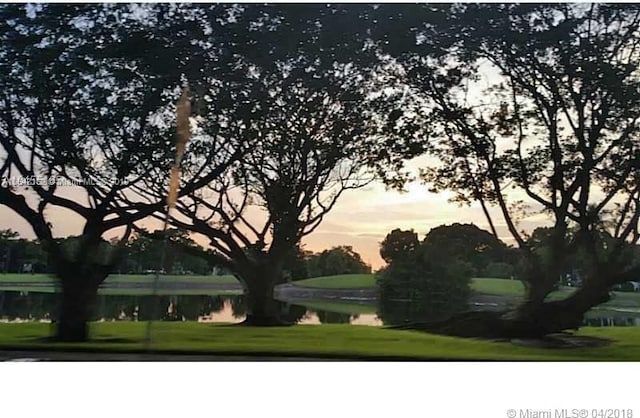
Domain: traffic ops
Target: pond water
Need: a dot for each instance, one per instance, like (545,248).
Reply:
(35,306)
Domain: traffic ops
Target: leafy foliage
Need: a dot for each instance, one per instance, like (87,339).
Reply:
(336,261)
(534,110)
(426,284)
(397,243)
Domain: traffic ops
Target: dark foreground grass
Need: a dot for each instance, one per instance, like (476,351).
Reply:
(342,341)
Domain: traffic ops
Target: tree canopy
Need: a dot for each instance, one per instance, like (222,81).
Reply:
(86,119)
(336,261)
(534,110)
(310,122)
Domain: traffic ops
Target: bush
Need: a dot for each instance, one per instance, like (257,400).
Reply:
(498,270)
(336,261)
(427,284)
(625,287)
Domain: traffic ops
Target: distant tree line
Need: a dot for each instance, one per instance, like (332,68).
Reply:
(17,255)
(182,255)
(334,261)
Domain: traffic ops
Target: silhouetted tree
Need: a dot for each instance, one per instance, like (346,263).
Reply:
(397,244)
(470,244)
(558,122)
(335,261)
(425,282)
(87,97)
(311,120)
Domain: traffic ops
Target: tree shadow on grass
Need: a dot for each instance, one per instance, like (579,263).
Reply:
(562,340)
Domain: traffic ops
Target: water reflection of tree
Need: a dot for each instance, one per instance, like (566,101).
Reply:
(114,307)
(398,311)
(164,307)
(238,306)
(25,305)
(327,317)
(288,313)
(292,313)
(192,307)
(189,307)
(28,305)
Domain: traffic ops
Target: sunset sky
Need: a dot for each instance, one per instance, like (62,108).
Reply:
(361,218)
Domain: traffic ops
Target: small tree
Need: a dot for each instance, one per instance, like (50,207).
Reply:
(426,283)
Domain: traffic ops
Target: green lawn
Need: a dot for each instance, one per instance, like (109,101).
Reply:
(126,278)
(344,281)
(132,292)
(14,277)
(148,278)
(505,287)
(347,341)
(34,289)
(339,307)
(50,286)
(613,312)
(501,287)
(359,281)
(173,292)
(624,299)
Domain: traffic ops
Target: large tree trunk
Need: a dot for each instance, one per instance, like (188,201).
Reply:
(79,294)
(533,318)
(259,283)
(542,318)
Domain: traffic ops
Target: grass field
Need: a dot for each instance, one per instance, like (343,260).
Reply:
(515,288)
(500,287)
(488,286)
(50,284)
(344,281)
(339,307)
(346,341)
(126,278)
